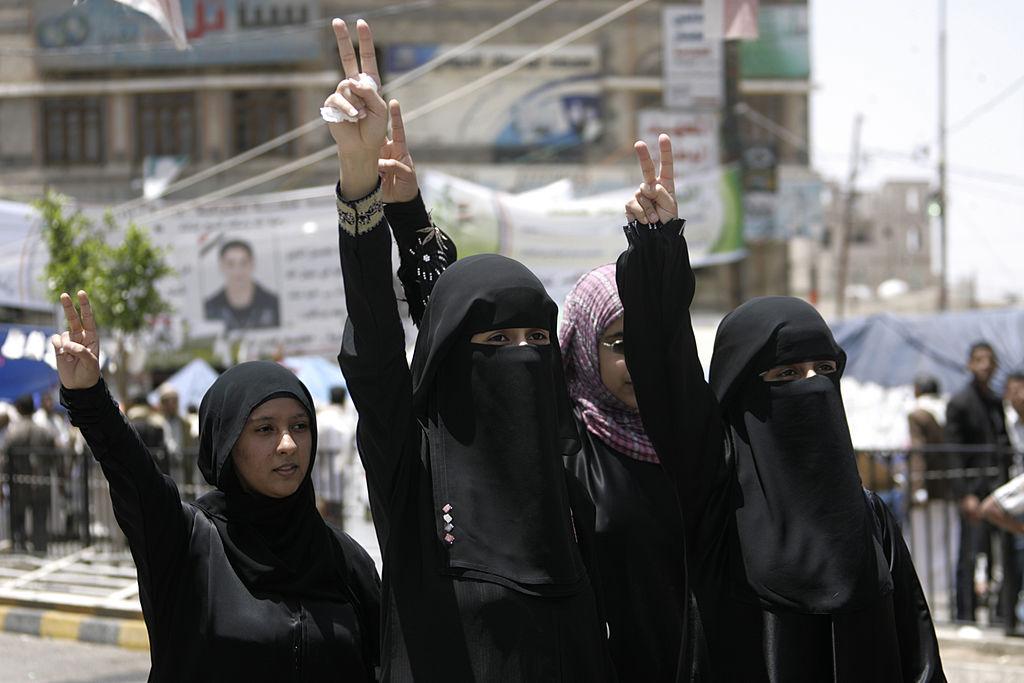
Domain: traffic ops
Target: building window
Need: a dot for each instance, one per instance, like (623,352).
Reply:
(166,125)
(261,115)
(73,131)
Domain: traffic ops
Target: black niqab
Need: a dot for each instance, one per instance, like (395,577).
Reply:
(277,545)
(804,528)
(498,420)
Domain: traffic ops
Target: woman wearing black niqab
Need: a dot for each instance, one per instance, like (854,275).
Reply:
(800,574)
(484,575)
(248,583)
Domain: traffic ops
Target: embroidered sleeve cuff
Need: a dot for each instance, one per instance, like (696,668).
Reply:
(362,215)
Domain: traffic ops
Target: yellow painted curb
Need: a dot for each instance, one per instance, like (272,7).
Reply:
(3,616)
(60,625)
(133,635)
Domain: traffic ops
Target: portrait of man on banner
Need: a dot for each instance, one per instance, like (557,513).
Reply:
(241,303)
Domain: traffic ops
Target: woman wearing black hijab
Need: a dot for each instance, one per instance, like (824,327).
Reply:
(483,577)
(248,583)
(800,574)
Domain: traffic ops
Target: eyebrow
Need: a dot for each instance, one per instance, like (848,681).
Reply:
(613,336)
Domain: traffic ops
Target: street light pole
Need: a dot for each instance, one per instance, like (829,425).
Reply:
(943,193)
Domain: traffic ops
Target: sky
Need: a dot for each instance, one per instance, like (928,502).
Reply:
(880,58)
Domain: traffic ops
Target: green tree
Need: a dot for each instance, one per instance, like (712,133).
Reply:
(120,268)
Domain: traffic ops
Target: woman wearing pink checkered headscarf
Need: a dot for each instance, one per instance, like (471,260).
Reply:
(639,531)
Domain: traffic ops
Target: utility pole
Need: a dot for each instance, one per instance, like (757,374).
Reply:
(846,227)
(943,195)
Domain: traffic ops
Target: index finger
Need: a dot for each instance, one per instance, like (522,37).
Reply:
(667,162)
(345,50)
(88,321)
(646,163)
(367,56)
(74,322)
(397,126)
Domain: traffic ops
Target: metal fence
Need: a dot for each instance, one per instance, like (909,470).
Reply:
(55,502)
(68,497)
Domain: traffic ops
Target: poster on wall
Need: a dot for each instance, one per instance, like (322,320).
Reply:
(262,271)
(554,102)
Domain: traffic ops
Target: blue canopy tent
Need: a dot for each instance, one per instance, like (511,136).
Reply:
(26,358)
(891,351)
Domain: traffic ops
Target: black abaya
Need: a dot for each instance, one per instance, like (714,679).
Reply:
(226,598)
(640,554)
(879,629)
(444,620)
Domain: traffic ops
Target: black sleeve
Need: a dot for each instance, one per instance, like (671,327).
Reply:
(424,251)
(678,410)
(146,503)
(373,358)
(919,647)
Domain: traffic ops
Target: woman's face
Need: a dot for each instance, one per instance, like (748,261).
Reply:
(796,371)
(513,336)
(272,454)
(611,355)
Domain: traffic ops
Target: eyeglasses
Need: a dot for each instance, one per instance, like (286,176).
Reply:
(618,346)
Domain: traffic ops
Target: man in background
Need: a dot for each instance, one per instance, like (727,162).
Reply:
(150,428)
(28,452)
(242,303)
(975,419)
(179,441)
(337,465)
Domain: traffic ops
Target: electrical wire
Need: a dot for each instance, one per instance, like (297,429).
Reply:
(317,123)
(985,107)
(452,96)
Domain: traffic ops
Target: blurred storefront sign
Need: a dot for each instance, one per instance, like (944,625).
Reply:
(554,101)
(693,66)
(760,168)
(106,34)
(782,49)
(694,138)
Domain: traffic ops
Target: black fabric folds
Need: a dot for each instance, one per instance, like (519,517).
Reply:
(277,545)
(497,420)
(804,528)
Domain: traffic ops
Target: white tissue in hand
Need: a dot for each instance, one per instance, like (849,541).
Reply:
(335,115)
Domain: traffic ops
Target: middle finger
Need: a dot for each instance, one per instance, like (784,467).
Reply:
(367,56)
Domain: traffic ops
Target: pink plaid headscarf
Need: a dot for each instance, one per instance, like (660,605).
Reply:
(591,306)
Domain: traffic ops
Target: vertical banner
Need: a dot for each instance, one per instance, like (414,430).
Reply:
(693,65)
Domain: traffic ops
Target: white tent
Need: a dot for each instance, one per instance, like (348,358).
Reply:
(22,258)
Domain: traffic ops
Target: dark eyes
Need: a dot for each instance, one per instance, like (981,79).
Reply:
(297,427)
(502,338)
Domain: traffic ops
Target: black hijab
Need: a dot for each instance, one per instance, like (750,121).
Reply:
(805,532)
(498,420)
(277,545)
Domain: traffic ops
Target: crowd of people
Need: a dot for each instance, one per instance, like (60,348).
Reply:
(572,502)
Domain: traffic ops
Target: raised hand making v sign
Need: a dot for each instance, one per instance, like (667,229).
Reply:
(78,349)
(358,97)
(656,199)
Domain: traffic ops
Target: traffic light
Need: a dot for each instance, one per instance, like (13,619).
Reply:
(935,204)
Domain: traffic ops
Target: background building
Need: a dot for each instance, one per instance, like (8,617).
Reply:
(94,100)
